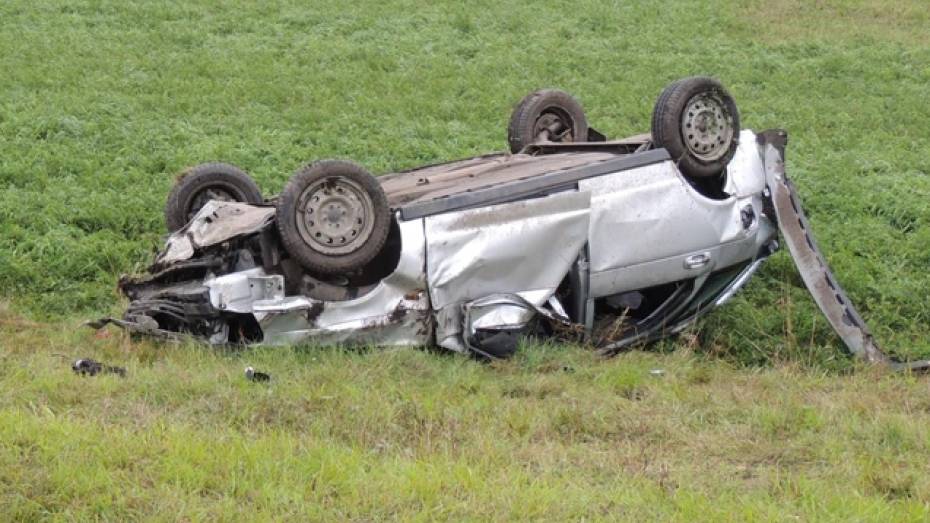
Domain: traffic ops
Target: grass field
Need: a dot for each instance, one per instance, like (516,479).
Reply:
(759,415)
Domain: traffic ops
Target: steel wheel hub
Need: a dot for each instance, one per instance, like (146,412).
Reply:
(335,215)
(707,127)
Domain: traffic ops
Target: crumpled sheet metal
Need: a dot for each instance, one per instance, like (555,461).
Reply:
(743,171)
(498,311)
(215,223)
(237,292)
(395,312)
(486,312)
(669,232)
(658,216)
(494,312)
(524,247)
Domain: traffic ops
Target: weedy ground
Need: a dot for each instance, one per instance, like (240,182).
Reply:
(758,414)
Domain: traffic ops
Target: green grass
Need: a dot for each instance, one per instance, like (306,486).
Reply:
(101,103)
(555,434)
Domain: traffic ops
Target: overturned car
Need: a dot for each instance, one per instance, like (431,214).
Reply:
(568,235)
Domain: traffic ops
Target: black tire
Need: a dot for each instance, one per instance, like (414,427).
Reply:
(695,119)
(540,111)
(199,184)
(354,217)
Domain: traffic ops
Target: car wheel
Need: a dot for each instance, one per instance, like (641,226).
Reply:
(696,121)
(333,217)
(205,182)
(546,115)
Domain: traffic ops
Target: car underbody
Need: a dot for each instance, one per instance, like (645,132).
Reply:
(606,243)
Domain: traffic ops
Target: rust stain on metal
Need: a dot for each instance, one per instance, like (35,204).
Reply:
(415,295)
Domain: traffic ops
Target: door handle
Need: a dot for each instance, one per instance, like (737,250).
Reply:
(696,261)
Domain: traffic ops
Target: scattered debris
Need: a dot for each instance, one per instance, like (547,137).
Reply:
(89,367)
(254,375)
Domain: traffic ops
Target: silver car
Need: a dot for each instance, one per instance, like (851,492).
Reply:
(567,235)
